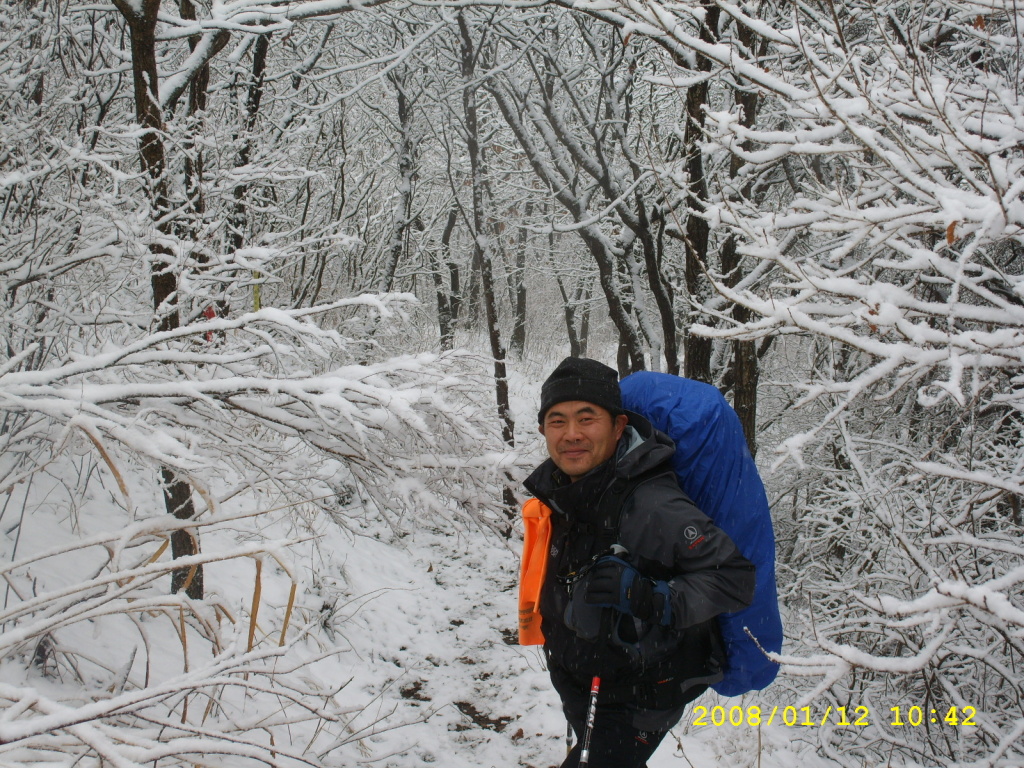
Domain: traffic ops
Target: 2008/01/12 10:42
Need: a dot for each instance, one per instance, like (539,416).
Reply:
(837,716)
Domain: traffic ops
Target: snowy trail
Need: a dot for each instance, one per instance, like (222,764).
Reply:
(444,635)
(439,629)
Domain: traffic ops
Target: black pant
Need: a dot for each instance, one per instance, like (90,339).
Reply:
(615,742)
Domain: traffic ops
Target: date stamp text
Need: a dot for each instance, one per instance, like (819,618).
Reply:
(841,717)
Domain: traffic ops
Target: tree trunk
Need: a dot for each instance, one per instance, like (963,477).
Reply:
(178,502)
(517,344)
(447,299)
(698,233)
(197,99)
(237,218)
(481,255)
(141,19)
(660,288)
(746,373)
(406,171)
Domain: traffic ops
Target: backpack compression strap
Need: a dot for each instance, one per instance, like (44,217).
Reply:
(534,565)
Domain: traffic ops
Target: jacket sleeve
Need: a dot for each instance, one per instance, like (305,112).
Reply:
(669,539)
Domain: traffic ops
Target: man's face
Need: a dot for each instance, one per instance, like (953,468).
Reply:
(581,435)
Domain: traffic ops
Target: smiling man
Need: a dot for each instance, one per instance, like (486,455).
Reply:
(622,575)
(581,436)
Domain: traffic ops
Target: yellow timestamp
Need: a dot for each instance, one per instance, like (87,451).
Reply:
(915,716)
(843,717)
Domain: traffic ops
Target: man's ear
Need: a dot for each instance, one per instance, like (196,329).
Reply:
(540,428)
(620,424)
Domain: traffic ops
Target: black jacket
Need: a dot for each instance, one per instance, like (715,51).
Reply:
(634,500)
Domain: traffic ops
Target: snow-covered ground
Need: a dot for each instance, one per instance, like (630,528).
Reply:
(404,632)
(438,624)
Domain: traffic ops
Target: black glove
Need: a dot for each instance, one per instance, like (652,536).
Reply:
(614,583)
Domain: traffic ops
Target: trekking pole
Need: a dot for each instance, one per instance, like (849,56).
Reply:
(595,686)
(568,738)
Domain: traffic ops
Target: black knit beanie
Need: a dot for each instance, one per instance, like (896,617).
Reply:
(579,378)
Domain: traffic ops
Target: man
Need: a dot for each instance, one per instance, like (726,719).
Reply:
(622,575)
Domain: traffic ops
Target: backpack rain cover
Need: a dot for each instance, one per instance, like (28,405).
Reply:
(716,470)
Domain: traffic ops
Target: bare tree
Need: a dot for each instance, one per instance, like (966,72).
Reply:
(470,54)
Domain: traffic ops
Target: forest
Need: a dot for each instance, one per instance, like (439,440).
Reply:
(279,282)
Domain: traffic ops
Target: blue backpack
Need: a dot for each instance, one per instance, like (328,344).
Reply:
(716,470)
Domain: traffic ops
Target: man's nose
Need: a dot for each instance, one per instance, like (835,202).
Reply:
(572,431)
